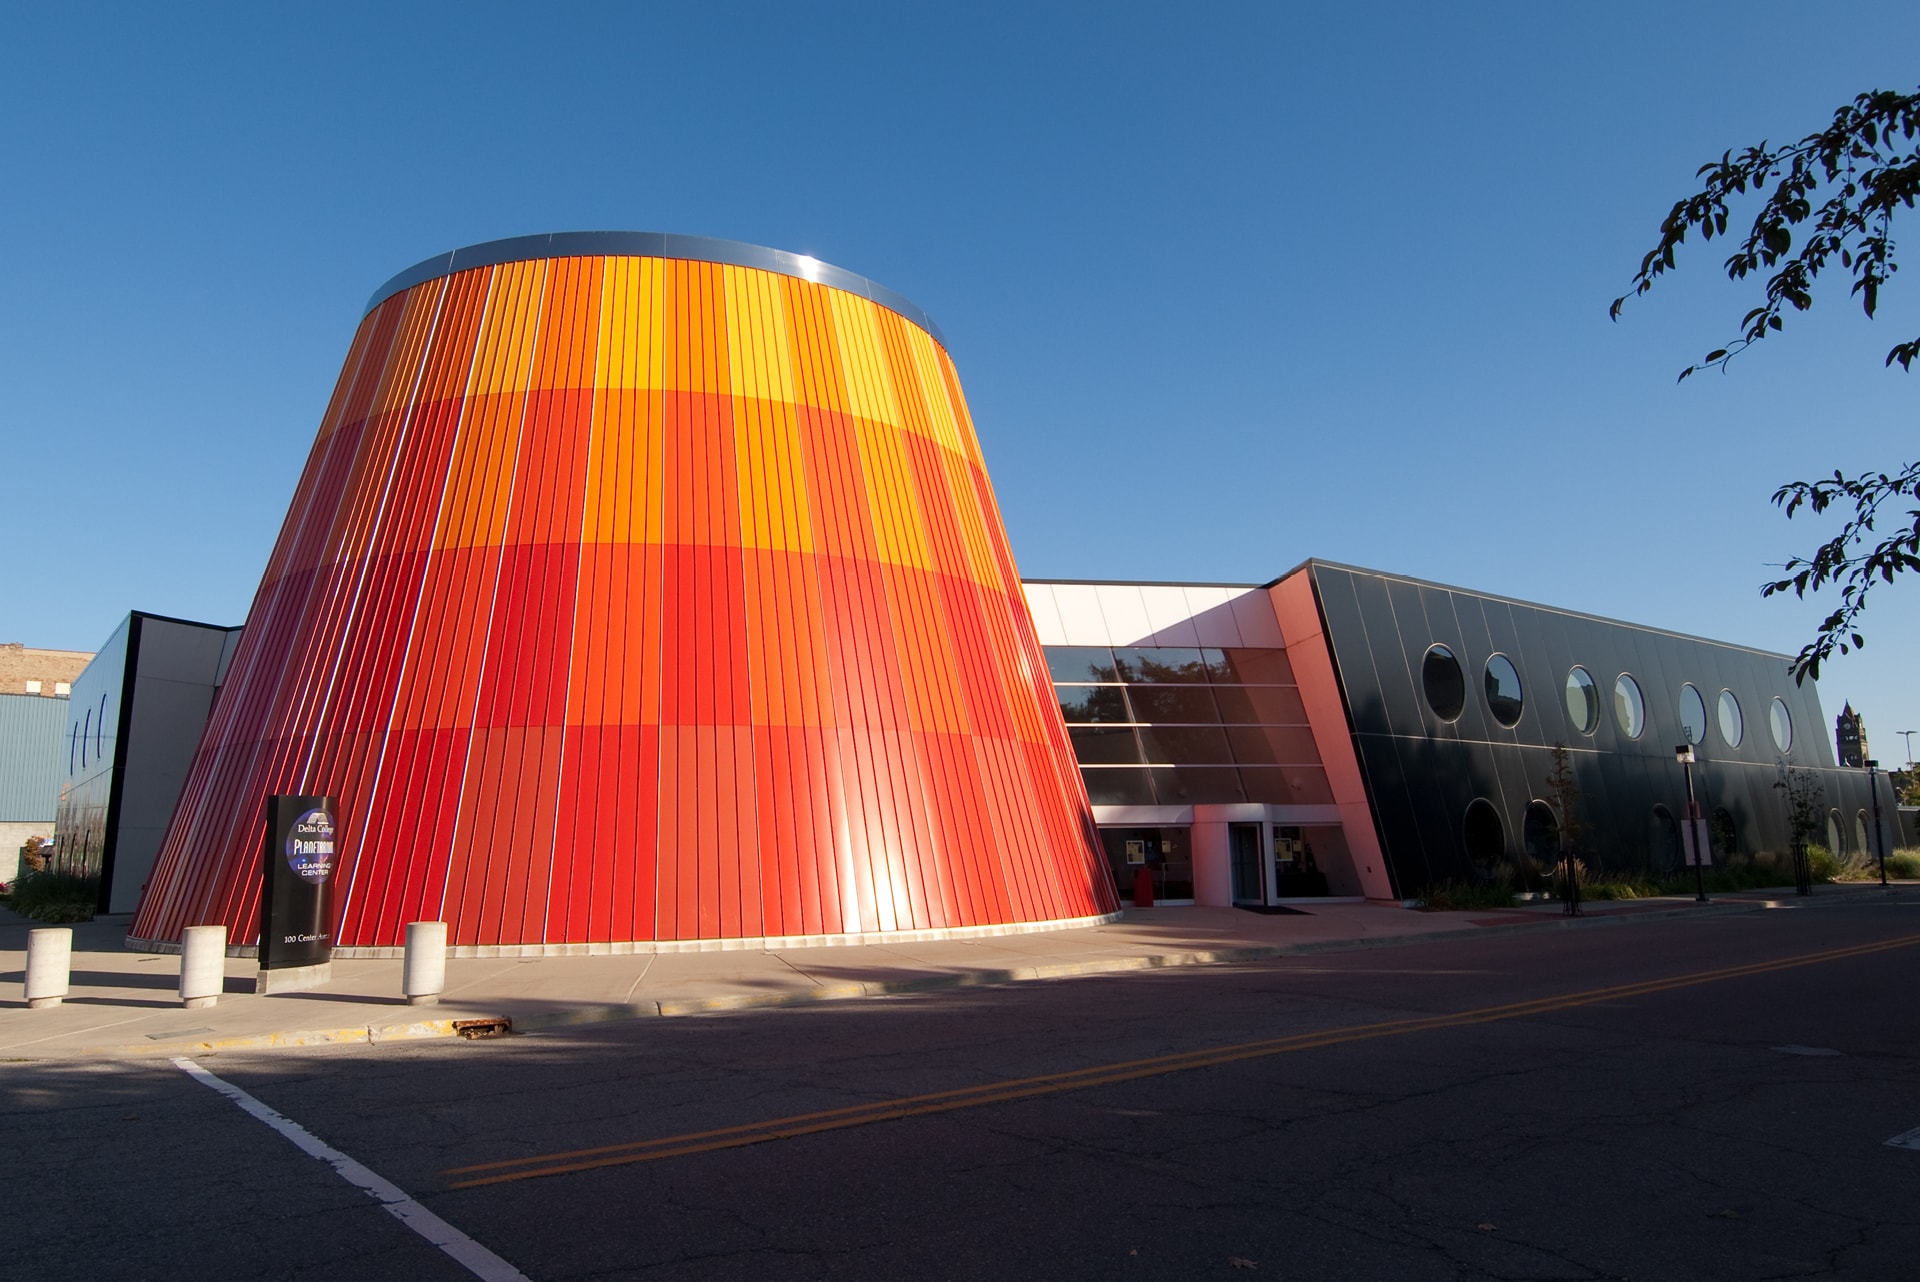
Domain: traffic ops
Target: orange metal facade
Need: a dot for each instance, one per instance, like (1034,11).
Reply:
(638,598)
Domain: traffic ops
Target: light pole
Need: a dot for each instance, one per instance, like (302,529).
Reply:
(1684,755)
(1879,836)
(1908,736)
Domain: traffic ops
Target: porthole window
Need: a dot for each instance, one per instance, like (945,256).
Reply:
(1485,835)
(1836,843)
(1504,698)
(1540,834)
(1733,727)
(1863,835)
(1583,700)
(1693,715)
(1781,723)
(1629,706)
(1445,684)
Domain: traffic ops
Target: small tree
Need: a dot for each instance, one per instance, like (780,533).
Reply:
(1826,204)
(1569,807)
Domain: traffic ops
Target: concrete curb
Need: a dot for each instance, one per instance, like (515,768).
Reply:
(417,1030)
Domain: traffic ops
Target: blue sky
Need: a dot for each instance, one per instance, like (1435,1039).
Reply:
(1228,286)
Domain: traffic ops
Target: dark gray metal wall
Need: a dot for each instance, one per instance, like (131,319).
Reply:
(1422,772)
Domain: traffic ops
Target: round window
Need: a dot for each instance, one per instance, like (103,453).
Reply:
(1445,685)
(1583,700)
(1629,707)
(1836,842)
(1781,723)
(1503,690)
(1862,835)
(1540,833)
(1485,836)
(1693,715)
(1733,727)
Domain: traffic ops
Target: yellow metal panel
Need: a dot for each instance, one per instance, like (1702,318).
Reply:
(891,497)
(931,388)
(633,305)
(869,387)
(758,353)
(506,340)
(973,522)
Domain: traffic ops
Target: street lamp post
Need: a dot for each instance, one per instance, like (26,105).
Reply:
(1908,736)
(1879,832)
(1684,755)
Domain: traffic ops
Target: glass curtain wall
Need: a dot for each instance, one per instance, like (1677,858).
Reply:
(1177,727)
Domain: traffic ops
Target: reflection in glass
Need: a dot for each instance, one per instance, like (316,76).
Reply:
(1503,690)
(1733,727)
(1485,836)
(1629,708)
(1446,687)
(1256,667)
(1261,705)
(1118,787)
(1273,745)
(1583,700)
(1186,745)
(1197,786)
(1160,663)
(1081,663)
(1287,785)
(1693,715)
(1781,723)
(1103,746)
(1190,704)
(1092,703)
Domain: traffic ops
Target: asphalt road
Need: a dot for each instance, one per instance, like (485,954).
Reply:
(1702,1098)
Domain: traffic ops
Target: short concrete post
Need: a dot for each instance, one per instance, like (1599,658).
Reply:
(203,965)
(49,961)
(424,976)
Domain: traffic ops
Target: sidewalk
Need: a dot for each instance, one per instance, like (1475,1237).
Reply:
(123,1004)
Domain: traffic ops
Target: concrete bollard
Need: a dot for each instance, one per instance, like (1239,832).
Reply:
(203,965)
(49,962)
(424,976)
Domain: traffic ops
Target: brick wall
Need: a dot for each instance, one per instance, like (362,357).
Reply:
(53,669)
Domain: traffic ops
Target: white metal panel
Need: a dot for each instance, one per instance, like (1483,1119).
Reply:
(1081,622)
(1046,614)
(1127,621)
(1167,611)
(1211,609)
(1259,626)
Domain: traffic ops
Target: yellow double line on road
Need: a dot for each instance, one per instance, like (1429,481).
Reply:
(833,1119)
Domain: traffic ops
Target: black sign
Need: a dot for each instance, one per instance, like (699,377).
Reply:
(296,888)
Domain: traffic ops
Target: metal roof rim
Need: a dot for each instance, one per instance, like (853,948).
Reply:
(652,244)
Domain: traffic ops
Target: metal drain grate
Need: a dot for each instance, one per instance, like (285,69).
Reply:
(475,1029)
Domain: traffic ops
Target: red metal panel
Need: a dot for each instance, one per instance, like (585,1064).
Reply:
(578,673)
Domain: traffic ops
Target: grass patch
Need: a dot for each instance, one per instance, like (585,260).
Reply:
(54,898)
(1903,863)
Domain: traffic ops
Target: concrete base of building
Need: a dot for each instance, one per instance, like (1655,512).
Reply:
(627,948)
(292,979)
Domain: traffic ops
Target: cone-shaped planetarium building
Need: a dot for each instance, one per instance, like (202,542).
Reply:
(642,588)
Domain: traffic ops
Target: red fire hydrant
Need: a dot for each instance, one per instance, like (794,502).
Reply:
(1143,887)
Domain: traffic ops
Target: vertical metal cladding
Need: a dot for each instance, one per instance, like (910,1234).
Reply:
(637,598)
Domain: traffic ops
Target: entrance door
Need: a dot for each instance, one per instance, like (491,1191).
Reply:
(1243,850)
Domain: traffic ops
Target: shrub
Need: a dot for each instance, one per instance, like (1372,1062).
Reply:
(1822,863)
(1453,896)
(54,898)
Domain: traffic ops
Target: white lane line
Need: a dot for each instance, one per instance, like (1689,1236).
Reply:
(1907,1139)
(478,1261)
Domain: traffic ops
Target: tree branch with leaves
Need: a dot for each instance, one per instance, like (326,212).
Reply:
(1828,199)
